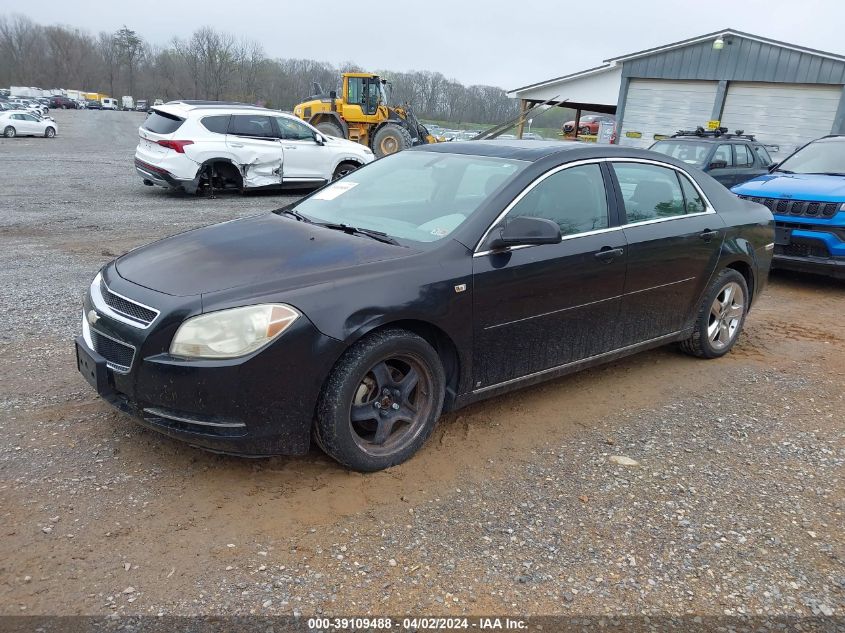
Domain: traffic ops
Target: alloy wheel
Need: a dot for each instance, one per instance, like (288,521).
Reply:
(391,404)
(726,315)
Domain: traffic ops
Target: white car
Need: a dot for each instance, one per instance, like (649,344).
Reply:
(108,104)
(21,123)
(29,105)
(200,144)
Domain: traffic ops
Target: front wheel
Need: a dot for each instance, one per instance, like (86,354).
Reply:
(381,401)
(344,169)
(390,139)
(720,316)
(50,132)
(9,132)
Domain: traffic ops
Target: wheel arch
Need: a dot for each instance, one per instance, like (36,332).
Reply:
(747,271)
(211,161)
(435,336)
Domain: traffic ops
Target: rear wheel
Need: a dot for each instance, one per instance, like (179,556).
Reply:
(390,139)
(50,132)
(381,401)
(9,132)
(330,129)
(720,317)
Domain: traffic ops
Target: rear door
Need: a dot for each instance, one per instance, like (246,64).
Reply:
(305,159)
(746,163)
(674,238)
(254,144)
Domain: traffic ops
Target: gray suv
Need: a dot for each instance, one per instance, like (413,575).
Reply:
(732,159)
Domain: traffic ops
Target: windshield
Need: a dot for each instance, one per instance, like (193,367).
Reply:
(417,196)
(690,152)
(824,156)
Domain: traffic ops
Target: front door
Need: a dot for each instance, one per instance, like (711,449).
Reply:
(674,240)
(254,145)
(305,159)
(540,307)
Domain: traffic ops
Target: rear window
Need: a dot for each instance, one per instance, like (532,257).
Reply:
(162,123)
(218,124)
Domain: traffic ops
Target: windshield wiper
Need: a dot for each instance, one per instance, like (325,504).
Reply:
(783,171)
(294,214)
(828,173)
(354,230)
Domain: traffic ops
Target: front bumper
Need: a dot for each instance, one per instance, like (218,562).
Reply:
(258,405)
(816,247)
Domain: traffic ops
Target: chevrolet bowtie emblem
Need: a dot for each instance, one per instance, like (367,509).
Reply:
(93,317)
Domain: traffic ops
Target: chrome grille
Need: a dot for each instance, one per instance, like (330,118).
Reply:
(118,355)
(127,308)
(806,208)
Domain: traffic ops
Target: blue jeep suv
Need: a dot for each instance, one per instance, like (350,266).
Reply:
(806,194)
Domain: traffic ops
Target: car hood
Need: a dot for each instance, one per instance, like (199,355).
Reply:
(250,251)
(335,141)
(797,186)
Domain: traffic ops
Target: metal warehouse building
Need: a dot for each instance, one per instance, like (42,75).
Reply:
(784,94)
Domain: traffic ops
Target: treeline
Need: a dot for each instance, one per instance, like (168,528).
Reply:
(212,65)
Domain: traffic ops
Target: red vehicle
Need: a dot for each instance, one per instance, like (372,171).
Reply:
(588,123)
(62,102)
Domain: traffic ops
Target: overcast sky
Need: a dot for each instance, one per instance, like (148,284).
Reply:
(503,43)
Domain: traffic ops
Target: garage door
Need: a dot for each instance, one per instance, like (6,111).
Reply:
(663,107)
(781,115)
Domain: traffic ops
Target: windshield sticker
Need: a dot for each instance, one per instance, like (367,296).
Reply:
(439,232)
(333,191)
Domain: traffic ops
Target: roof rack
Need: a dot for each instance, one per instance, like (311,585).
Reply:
(721,132)
(200,103)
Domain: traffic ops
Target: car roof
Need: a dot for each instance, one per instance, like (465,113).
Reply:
(725,138)
(533,151)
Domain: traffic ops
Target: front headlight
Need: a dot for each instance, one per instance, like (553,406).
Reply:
(232,333)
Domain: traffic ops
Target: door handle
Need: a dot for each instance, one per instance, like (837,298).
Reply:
(290,146)
(708,235)
(608,254)
(236,144)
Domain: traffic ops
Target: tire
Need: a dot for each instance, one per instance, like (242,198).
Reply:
(720,317)
(9,132)
(50,132)
(584,130)
(392,382)
(330,129)
(389,139)
(344,169)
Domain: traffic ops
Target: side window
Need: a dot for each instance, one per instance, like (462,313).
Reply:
(723,153)
(252,125)
(291,130)
(694,203)
(649,192)
(356,85)
(744,158)
(218,124)
(763,155)
(575,198)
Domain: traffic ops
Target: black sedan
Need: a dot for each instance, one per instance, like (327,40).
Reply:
(423,282)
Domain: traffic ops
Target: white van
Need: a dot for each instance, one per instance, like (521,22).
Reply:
(128,103)
(109,104)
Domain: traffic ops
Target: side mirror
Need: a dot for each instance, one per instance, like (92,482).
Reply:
(718,164)
(319,139)
(526,231)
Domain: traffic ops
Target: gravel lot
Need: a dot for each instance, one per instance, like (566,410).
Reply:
(733,503)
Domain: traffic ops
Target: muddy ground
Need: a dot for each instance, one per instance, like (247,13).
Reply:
(736,506)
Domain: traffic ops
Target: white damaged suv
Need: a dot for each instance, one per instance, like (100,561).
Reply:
(195,145)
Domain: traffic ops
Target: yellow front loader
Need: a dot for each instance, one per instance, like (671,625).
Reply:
(362,114)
